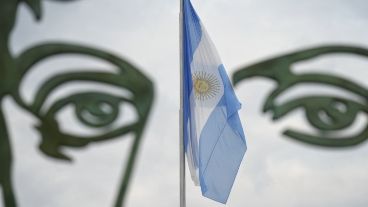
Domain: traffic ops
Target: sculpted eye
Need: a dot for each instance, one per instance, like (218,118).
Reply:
(329,115)
(92,115)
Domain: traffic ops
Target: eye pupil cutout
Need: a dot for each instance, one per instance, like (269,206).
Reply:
(341,107)
(98,113)
(106,108)
(324,117)
(99,108)
(331,114)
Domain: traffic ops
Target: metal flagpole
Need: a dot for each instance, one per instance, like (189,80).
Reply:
(181,130)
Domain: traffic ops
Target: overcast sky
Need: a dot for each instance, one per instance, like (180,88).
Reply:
(276,171)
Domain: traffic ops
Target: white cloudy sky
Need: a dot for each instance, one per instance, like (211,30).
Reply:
(275,172)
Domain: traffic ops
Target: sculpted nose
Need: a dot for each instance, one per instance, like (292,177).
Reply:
(7,73)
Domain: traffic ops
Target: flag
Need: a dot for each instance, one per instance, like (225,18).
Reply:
(214,140)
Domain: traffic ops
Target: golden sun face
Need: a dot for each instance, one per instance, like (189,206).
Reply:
(206,85)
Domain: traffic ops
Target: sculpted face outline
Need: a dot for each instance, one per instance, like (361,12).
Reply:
(53,140)
(340,112)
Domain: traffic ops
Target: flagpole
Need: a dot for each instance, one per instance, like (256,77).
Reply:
(181,130)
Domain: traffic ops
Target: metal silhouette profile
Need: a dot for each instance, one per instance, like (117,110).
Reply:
(90,107)
(325,113)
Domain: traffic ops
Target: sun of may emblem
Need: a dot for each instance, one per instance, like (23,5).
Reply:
(206,85)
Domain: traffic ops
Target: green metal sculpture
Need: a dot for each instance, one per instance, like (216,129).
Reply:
(325,113)
(88,105)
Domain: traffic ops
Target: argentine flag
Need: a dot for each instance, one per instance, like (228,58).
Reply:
(214,140)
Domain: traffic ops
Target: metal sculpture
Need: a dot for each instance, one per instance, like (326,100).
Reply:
(88,105)
(325,113)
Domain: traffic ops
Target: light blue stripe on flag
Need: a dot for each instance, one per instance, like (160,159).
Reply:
(214,139)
